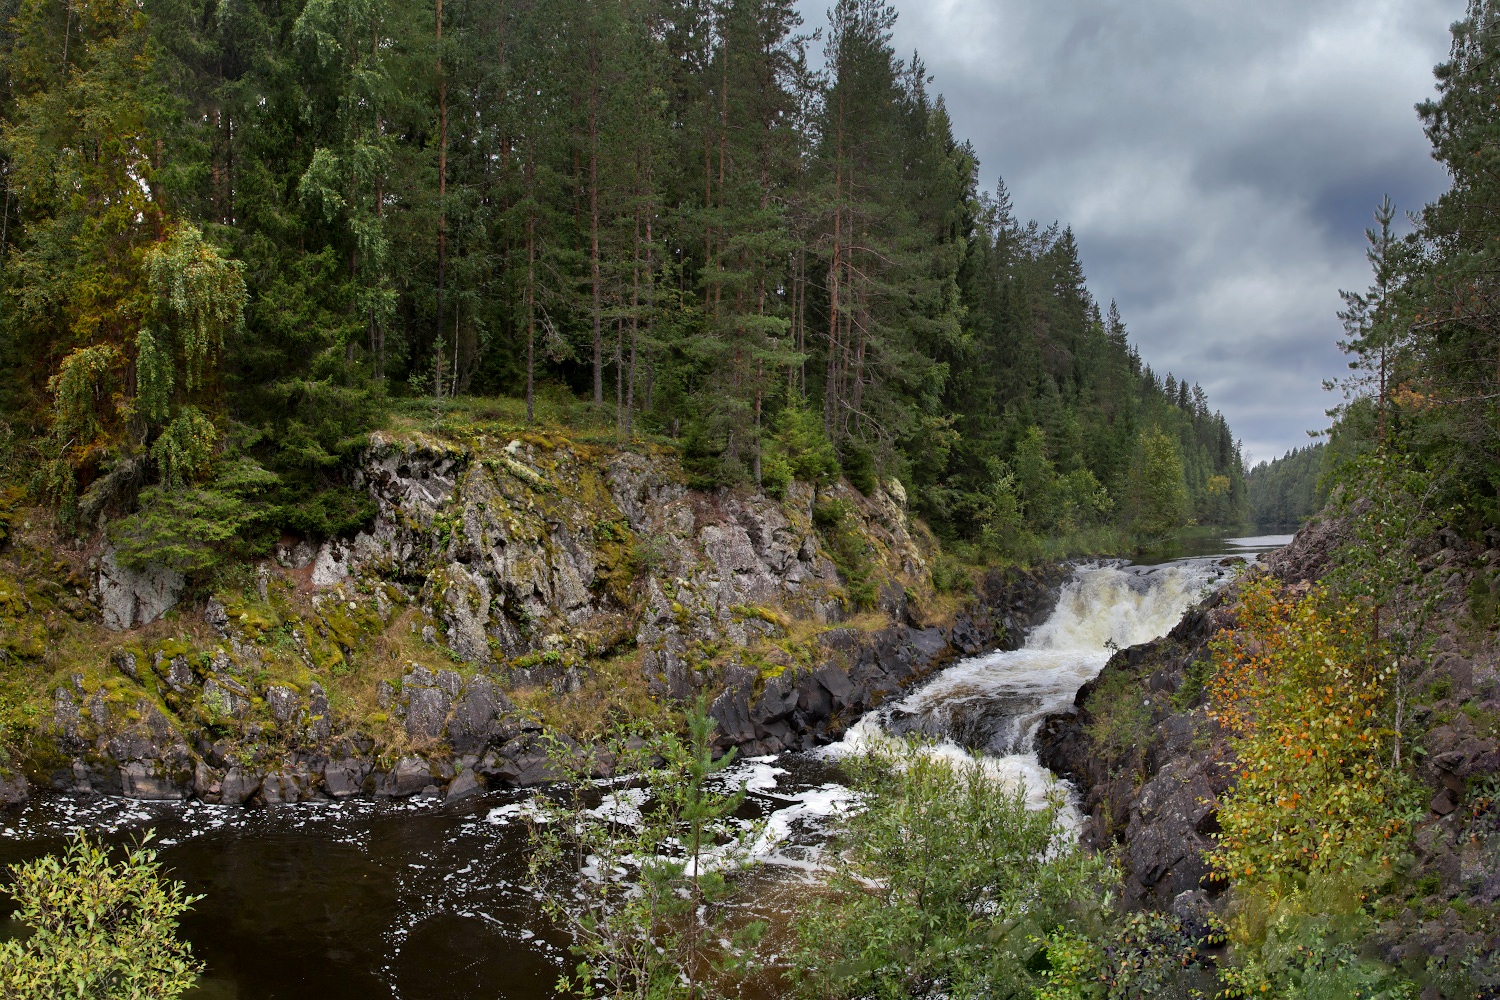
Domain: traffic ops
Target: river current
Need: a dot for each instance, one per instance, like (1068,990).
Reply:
(412,900)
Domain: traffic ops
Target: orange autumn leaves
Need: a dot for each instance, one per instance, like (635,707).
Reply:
(1300,690)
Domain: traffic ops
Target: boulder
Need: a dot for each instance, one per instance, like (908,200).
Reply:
(345,777)
(427,705)
(13,790)
(481,718)
(129,597)
(285,786)
(466,785)
(237,786)
(407,778)
(140,779)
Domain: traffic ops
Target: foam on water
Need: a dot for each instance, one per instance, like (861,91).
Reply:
(435,864)
(992,705)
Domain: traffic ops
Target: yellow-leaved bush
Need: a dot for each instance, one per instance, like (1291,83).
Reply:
(1300,689)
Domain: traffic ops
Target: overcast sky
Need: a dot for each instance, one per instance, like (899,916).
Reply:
(1218,161)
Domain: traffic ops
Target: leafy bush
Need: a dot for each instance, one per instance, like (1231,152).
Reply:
(639,880)
(1301,693)
(100,930)
(808,452)
(1121,717)
(1306,943)
(943,882)
(1144,955)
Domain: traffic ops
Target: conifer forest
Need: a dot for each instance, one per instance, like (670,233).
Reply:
(512,499)
(236,234)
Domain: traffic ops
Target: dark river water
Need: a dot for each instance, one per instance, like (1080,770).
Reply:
(414,900)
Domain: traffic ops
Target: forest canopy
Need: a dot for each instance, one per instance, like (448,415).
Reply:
(237,232)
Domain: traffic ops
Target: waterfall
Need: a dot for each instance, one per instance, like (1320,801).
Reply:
(993,705)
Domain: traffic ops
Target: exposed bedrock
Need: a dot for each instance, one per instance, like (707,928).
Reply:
(385,663)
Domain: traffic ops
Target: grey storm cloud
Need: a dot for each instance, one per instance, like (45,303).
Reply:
(1218,162)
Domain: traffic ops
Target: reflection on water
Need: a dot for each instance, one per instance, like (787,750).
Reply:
(1200,543)
(369,900)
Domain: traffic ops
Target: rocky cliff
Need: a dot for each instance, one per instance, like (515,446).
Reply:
(507,583)
(1151,766)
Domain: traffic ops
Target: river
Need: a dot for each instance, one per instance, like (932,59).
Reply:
(367,900)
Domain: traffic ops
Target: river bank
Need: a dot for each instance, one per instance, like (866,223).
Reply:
(502,590)
(406,897)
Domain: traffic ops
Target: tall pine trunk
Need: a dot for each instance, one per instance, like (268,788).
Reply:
(442,246)
(594,226)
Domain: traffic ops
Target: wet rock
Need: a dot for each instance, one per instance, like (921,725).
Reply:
(521,763)
(407,778)
(141,779)
(835,682)
(280,787)
(237,786)
(128,597)
(13,790)
(427,705)
(345,777)
(207,782)
(777,701)
(732,711)
(466,785)
(319,722)
(481,718)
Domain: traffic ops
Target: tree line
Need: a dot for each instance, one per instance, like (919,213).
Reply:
(1286,491)
(235,232)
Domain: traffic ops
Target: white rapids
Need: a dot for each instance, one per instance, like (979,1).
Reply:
(994,704)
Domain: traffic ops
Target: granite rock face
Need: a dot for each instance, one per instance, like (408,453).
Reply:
(511,563)
(128,598)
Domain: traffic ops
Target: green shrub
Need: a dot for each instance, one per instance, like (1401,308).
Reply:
(1144,955)
(942,883)
(663,928)
(329,512)
(837,523)
(800,439)
(775,475)
(1302,695)
(859,468)
(100,930)
(1309,943)
(1121,716)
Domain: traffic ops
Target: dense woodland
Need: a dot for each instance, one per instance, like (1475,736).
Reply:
(238,236)
(1286,491)
(237,232)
